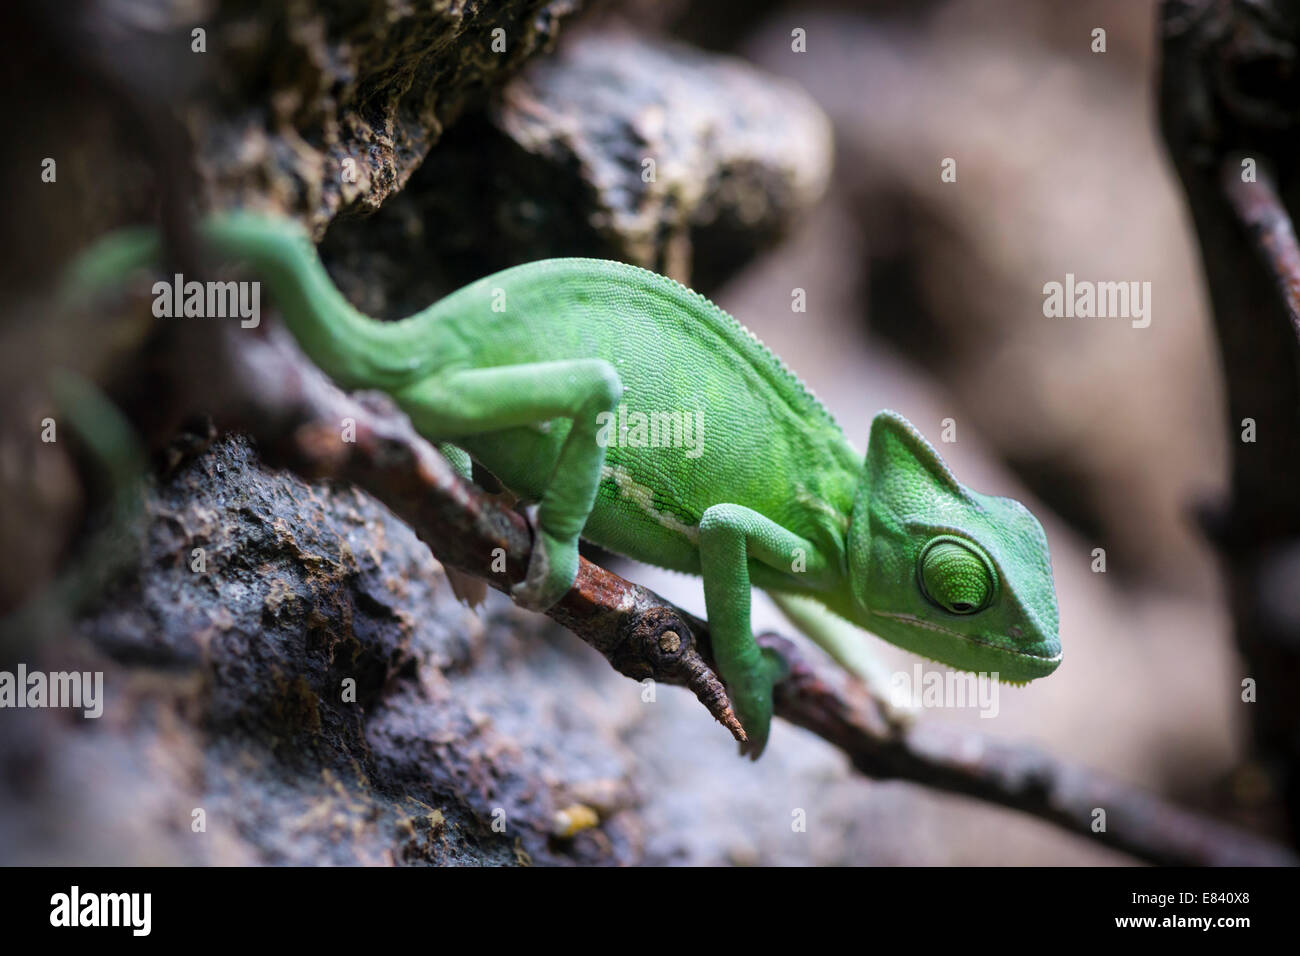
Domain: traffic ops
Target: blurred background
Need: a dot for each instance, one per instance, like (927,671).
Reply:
(794,147)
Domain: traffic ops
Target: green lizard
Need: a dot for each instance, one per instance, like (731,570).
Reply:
(645,419)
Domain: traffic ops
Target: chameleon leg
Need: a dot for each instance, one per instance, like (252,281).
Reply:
(475,401)
(729,536)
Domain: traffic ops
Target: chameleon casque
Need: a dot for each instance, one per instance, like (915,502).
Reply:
(520,372)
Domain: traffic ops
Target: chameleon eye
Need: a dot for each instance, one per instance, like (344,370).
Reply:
(955,576)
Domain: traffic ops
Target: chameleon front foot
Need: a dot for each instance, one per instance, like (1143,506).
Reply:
(758,725)
(752,700)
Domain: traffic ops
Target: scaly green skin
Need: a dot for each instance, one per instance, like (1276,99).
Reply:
(517,368)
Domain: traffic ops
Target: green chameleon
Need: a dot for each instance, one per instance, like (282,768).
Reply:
(645,419)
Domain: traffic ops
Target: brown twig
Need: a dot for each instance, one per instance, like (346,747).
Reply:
(296,415)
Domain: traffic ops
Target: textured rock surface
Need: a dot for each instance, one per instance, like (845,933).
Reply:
(225,692)
(316,108)
(310,108)
(618,147)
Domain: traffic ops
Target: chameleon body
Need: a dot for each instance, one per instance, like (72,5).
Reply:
(542,372)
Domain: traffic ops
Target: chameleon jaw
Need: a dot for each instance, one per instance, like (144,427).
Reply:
(1021,661)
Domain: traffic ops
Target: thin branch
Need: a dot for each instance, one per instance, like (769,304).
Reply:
(295,414)
(1015,776)
(466,528)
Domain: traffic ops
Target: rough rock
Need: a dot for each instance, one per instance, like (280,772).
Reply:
(227,692)
(320,108)
(307,108)
(619,147)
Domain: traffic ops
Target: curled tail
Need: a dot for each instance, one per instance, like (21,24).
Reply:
(353,349)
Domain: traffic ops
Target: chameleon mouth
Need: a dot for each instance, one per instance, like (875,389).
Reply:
(1043,652)
(1020,664)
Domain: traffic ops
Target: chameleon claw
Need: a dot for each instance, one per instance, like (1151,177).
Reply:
(529,597)
(552,568)
(757,729)
(752,750)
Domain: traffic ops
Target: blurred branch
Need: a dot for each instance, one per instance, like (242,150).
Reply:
(1259,209)
(265,387)
(1230,114)
(1014,776)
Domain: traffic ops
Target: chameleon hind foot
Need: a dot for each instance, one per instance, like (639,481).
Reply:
(552,568)
(479,401)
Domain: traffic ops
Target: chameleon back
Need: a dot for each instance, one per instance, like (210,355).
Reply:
(704,401)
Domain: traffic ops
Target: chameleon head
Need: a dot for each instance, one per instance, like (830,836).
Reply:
(960,577)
